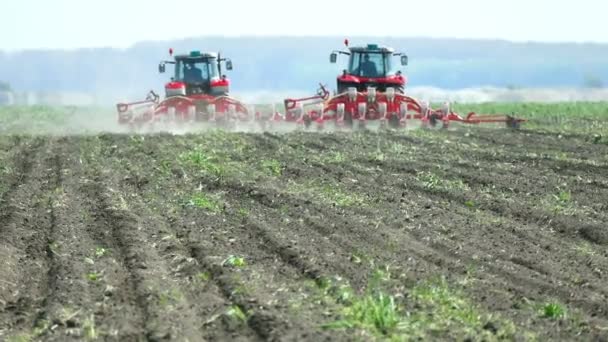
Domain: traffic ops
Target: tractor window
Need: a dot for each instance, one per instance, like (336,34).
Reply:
(196,71)
(369,64)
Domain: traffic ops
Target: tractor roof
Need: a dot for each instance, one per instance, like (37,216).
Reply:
(197,55)
(371,48)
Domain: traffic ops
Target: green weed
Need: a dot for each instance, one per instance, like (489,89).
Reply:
(94,276)
(470,204)
(553,310)
(203,162)
(234,261)
(563,197)
(274,166)
(201,200)
(236,312)
(375,312)
(432,181)
(100,252)
(243,212)
(203,276)
(88,326)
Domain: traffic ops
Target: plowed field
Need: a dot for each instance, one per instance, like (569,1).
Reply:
(474,233)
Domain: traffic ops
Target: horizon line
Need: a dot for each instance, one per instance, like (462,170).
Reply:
(307,36)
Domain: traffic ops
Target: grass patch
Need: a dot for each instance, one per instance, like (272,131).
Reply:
(234,261)
(334,157)
(204,201)
(204,162)
(273,166)
(563,197)
(561,202)
(553,310)
(430,310)
(432,181)
(326,193)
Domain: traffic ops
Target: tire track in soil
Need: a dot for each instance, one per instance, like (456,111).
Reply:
(30,217)
(82,303)
(434,260)
(261,325)
(268,321)
(522,216)
(264,322)
(548,284)
(440,249)
(432,255)
(143,282)
(187,262)
(25,223)
(321,252)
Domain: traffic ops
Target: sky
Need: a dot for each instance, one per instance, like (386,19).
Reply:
(71,24)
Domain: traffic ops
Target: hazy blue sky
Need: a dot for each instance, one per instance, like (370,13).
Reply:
(27,24)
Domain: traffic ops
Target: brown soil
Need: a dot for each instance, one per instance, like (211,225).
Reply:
(112,236)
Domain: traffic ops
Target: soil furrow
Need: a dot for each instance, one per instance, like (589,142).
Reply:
(106,232)
(25,224)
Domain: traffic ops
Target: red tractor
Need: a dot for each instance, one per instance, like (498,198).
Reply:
(371,89)
(196,92)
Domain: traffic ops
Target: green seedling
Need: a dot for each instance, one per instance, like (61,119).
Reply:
(94,276)
(100,252)
(553,310)
(234,261)
(235,311)
(203,276)
(88,326)
(201,200)
(274,166)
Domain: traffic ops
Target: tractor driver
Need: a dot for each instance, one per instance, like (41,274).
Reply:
(192,74)
(368,68)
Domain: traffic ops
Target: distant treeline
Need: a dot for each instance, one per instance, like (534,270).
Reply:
(268,63)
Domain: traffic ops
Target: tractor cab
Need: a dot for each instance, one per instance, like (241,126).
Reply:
(370,66)
(197,73)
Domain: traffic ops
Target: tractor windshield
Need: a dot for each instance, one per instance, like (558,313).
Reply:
(369,64)
(196,70)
